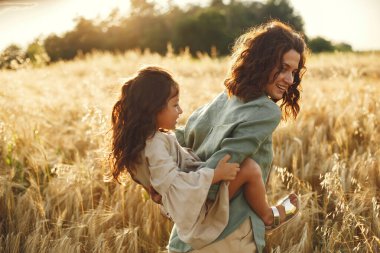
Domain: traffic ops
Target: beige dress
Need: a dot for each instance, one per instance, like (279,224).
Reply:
(173,172)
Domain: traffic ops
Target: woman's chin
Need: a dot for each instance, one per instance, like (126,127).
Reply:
(278,97)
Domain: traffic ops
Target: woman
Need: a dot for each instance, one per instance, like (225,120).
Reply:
(267,66)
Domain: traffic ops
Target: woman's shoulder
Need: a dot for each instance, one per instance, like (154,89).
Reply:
(263,101)
(267,104)
(259,107)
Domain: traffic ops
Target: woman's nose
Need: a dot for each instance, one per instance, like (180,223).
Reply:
(289,78)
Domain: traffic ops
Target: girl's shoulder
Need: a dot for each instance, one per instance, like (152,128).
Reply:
(160,138)
(161,144)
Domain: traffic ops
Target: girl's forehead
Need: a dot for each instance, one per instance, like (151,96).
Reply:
(174,91)
(175,97)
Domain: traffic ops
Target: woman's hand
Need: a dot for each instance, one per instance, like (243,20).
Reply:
(225,170)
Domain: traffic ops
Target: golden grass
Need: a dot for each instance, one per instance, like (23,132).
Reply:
(54,142)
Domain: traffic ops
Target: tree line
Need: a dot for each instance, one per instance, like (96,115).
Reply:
(211,29)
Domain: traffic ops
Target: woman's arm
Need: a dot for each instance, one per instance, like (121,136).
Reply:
(180,135)
(244,141)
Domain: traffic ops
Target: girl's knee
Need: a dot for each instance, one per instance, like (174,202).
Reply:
(250,168)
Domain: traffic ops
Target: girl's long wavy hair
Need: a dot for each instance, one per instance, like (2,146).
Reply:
(134,116)
(259,51)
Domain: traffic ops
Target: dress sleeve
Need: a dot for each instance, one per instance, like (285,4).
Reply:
(183,194)
(245,140)
(161,165)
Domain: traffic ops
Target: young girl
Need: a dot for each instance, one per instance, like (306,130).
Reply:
(147,110)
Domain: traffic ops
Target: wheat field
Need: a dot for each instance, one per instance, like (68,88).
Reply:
(55,138)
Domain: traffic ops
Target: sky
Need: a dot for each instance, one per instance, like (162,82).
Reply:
(352,21)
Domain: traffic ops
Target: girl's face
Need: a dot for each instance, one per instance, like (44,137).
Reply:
(167,118)
(277,86)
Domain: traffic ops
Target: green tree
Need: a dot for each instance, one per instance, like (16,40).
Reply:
(217,3)
(58,48)
(282,10)
(36,53)
(86,36)
(202,31)
(343,47)
(53,47)
(241,16)
(320,44)
(12,57)
(142,8)
(199,28)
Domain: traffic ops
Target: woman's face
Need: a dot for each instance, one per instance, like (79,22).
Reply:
(277,86)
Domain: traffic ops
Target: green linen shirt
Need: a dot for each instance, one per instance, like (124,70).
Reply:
(228,125)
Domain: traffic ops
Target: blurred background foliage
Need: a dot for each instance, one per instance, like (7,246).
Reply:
(211,29)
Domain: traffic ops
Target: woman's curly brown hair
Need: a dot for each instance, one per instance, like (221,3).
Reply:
(134,116)
(259,51)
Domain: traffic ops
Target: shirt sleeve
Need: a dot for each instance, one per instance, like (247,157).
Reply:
(245,140)
(183,194)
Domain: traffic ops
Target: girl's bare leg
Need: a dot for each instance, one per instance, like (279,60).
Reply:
(250,178)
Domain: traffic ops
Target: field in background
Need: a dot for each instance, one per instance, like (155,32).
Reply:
(54,143)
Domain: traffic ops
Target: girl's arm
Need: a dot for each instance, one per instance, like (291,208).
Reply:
(163,167)
(223,171)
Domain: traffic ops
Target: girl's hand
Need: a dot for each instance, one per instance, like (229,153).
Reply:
(154,195)
(225,170)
